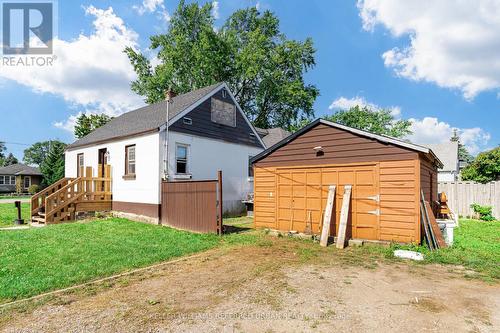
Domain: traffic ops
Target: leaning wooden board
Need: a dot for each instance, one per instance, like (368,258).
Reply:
(325,231)
(344,213)
(435,227)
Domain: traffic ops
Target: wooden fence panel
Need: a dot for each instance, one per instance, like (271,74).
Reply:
(191,205)
(462,194)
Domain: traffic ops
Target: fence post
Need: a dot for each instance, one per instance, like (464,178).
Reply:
(219,199)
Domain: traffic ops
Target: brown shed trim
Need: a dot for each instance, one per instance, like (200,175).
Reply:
(381,138)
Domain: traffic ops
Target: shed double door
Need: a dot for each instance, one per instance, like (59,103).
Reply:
(302,194)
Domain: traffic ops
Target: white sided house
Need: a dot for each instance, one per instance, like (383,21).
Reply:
(207,132)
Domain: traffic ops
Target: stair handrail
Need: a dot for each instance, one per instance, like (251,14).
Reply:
(34,199)
(50,210)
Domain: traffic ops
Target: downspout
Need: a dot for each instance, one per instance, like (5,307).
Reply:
(165,158)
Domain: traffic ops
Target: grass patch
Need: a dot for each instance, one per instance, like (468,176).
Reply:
(8,213)
(476,246)
(42,259)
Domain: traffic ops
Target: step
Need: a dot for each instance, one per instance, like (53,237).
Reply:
(38,219)
(42,214)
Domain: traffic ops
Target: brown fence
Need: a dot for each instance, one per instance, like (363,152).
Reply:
(462,194)
(193,205)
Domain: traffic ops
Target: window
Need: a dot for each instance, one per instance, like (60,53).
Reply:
(223,113)
(79,165)
(224,93)
(2,180)
(130,160)
(250,168)
(181,156)
(187,121)
(27,181)
(12,180)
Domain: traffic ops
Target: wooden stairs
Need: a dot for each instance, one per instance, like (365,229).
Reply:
(64,199)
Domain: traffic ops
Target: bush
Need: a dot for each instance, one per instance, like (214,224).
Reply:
(485,212)
(33,189)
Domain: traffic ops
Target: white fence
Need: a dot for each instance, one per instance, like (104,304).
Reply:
(462,194)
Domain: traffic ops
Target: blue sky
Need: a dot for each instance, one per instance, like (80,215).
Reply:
(436,64)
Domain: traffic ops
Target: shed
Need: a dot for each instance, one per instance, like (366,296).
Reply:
(291,181)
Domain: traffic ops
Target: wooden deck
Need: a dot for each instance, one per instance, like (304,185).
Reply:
(64,199)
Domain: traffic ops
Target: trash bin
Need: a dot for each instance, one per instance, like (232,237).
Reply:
(447,228)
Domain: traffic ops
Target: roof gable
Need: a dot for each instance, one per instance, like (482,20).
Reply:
(365,134)
(148,118)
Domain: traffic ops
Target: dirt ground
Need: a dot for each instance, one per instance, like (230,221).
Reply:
(277,286)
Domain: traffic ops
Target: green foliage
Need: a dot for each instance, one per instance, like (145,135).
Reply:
(485,212)
(33,189)
(9,160)
(263,68)
(463,153)
(2,150)
(485,168)
(52,167)
(36,154)
(85,124)
(374,121)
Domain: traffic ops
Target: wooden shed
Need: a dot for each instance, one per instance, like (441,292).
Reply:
(291,181)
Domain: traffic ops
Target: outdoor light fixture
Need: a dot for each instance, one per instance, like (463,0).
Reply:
(319,151)
(107,155)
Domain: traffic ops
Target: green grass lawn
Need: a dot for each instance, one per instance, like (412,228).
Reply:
(476,246)
(57,256)
(8,213)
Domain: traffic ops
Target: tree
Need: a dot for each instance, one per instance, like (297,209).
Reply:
(484,168)
(263,68)
(88,123)
(374,121)
(36,154)
(52,167)
(463,153)
(9,160)
(2,149)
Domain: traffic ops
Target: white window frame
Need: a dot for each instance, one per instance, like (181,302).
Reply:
(128,160)
(82,155)
(177,145)
(12,180)
(2,182)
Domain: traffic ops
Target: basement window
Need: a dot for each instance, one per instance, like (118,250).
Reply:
(187,121)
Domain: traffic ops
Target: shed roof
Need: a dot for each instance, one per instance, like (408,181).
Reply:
(148,118)
(378,137)
(20,169)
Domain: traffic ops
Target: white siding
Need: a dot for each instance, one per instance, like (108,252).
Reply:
(206,156)
(446,176)
(146,187)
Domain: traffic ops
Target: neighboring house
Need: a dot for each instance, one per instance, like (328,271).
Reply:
(207,132)
(272,136)
(18,173)
(447,152)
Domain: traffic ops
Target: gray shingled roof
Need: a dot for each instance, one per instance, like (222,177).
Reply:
(271,136)
(147,118)
(447,152)
(20,169)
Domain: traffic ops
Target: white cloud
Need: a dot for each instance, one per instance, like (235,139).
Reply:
(215,9)
(453,43)
(431,130)
(343,103)
(90,72)
(151,6)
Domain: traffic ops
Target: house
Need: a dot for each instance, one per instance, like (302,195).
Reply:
(292,178)
(447,153)
(207,131)
(271,136)
(22,174)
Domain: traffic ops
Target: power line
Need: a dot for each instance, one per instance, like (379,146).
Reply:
(15,143)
